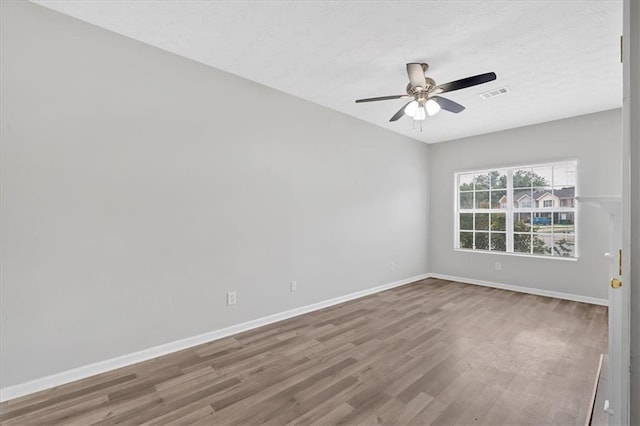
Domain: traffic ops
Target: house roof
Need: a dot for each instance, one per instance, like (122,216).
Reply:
(568,192)
(563,193)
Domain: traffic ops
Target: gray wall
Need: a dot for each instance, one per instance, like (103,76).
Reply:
(632,42)
(139,187)
(594,140)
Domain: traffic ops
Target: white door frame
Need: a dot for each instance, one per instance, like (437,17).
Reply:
(620,299)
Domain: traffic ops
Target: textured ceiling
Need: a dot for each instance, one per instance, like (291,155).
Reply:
(558,58)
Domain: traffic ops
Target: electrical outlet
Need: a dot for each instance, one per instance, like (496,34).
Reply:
(498,266)
(231,298)
(294,285)
(392,266)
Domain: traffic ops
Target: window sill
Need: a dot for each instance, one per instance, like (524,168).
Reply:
(534,256)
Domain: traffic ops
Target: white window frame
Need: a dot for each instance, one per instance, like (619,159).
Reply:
(510,210)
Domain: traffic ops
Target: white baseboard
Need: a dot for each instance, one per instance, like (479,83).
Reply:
(528,290)
(72,375)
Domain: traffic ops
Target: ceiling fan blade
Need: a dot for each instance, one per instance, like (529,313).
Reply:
(381,98)
(465,82)
(416,75)
(448,104)
(400,112)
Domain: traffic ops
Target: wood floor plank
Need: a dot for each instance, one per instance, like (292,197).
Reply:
(432,352)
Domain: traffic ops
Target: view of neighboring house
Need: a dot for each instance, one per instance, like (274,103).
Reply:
(563,198)
(546,198)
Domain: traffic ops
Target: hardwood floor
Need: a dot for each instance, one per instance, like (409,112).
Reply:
(432,352)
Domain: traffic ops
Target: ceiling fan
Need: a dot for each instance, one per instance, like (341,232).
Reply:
(425,93)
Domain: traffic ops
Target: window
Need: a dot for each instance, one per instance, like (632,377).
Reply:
(524,210)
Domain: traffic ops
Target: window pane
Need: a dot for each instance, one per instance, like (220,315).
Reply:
(498,179)
(522,178)
(542,222)
(482,221)
(466,221)
(564,245)
(540,195)
(522,222)
(466,200)
(565,196)
(499,199)
(541,176)
(482,240)
(563,223)
(522,199)
(522,243)
(482,199)
(541,243)
(498,222)
(481,181)
(466,240)
(564,174)
(498,242)
(465,182)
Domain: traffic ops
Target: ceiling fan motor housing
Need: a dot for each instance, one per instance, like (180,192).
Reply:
(413,91)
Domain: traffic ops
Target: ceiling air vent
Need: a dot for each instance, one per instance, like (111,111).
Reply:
(493,93)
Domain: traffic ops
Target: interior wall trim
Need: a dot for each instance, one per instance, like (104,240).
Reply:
(520,289)
(36,385)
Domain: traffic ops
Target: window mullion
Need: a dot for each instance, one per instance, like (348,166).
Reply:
(473,240)
(509,221)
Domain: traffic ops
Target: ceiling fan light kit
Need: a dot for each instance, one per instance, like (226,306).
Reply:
(432,107)
(411,108)
(425,93)
(420,114)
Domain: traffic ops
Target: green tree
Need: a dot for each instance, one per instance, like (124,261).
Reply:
(521,242)
(525,179)
(467,186)
(563,248)
(498,179)
(538,246)
(498,222)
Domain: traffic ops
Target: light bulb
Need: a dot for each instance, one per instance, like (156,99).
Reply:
(411,108)
(420,114)
(432,107)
